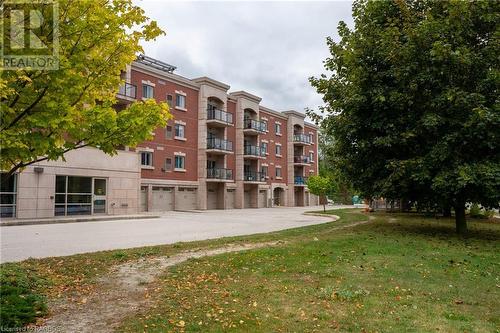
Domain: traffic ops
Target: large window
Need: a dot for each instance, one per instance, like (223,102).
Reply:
(263,146)
(277,128)
(147,91)
(180,101)
(179,131)
(278,172)
(8,194)
(180,162)
(146,158)
(278,150)
(73,195)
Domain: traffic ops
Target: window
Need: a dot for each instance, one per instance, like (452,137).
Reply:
(168,132)
(180,101)
(311,138)
(8,193)
(264,147)
(277,128)
(278,172)
(74,195)
(311,157)
(264,125)
(147,91)
(278,150)
(146,158)
(180,162)
(170,100)
(179,130)
(168,164)
(264,170)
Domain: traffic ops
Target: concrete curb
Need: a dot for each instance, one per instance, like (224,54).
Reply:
(334,217)
(75,220)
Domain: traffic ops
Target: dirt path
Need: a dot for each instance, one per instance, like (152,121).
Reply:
(123,292)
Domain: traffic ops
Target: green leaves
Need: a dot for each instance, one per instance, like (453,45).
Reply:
(46,113)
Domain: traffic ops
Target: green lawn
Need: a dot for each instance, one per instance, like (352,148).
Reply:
(398,273)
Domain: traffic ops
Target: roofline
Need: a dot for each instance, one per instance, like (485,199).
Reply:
(162,74)
(276,113)
(306,123)
(246,95)
(211,82)
(295,113)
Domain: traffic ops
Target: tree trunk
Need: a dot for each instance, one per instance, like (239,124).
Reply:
(460,221)
(447,211)
(324,207)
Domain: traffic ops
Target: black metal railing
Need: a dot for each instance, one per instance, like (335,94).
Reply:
(216,114)
(301,159)
(251,176)
(255,125)
(301,138)
(220,144)
(254,151)
(220,173)
(299,180)
(128,90)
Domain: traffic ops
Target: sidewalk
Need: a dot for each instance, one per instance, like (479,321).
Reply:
(66,219)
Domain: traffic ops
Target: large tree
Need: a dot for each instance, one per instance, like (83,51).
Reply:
(412,101)
(46,113)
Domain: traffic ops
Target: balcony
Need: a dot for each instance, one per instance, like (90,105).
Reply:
(301,139)
(254,152)
(127,92)
(250,176)
(301,160)
(219,118)
(219,174)
(251,126)
(300,181)
(219,146)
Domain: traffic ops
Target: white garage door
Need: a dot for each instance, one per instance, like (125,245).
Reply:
(211,199)
(163,199)
(262,198)
(230,198)
(186,199)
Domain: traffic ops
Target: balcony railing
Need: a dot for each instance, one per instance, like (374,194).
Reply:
(254,151)
(302,138)
(299,180)
(301,159)
(250,176)
(220,173)
(216,114)
(219,144)
(128,90)
(255,125)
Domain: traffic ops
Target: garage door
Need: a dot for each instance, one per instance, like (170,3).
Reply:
(186,199)
(211,198)
(248,199)
(262,198)
(162,199)
(230,198)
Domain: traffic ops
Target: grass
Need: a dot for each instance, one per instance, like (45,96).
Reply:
(398,273)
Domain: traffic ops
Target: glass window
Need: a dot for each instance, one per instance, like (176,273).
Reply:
(264,147)
(8,195)
(99,186)
(179,162)
(168,132)
(311,157)
(146,158)
(147,91)
(264,170)
(277,128)
(278,172)
(168,164)
(170,100)
(74,195)
(278,149)
(179,130)
(79,185)
(180,101)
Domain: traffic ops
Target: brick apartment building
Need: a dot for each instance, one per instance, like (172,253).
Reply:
(222,150)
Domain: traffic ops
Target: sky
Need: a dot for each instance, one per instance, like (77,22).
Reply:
(269,49)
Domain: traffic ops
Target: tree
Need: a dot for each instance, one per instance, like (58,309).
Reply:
(46,113)
(320,186)
(412,102)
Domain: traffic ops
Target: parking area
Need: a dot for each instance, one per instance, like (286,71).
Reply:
(48,240)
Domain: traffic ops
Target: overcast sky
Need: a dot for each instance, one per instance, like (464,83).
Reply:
(265,48)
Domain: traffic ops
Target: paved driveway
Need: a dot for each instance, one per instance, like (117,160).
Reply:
(22,242)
